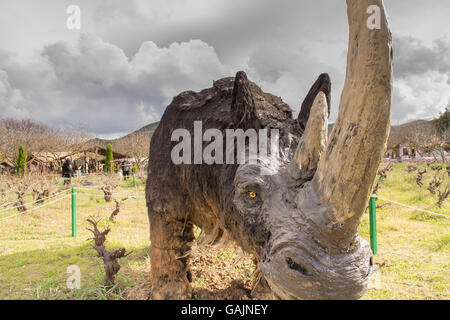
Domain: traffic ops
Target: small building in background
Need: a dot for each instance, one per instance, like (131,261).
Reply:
(7,167)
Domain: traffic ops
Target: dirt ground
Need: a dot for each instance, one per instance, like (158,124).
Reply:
(218,273)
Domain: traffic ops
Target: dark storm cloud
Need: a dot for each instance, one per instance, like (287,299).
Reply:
(232,28)
(422,78)
(412,57)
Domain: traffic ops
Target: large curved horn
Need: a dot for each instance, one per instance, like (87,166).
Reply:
(348,167)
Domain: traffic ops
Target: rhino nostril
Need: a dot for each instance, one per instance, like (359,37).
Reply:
(370,266)
(295,266)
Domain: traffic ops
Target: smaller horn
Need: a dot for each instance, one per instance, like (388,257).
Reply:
(323,83)
(313,142)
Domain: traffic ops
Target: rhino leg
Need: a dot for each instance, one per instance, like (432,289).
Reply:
(170,243)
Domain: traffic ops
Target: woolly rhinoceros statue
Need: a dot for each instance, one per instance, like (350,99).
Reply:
(297,208)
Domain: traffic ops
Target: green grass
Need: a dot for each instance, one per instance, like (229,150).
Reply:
(36,248)
(413,246)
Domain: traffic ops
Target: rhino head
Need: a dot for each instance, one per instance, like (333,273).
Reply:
(312,206)
(301,220)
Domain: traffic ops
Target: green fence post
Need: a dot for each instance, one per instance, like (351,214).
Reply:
(373,223)
(134,181)
(74,212)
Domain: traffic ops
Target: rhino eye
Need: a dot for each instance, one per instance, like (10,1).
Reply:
(251,198)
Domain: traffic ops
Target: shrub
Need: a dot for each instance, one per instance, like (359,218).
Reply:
(109,158)
(21,162)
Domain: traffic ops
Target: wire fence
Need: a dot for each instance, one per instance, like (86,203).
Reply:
(132,193)
(102,194)
(35,208)
(410,207)
(7,192)
(33,202)
(7,204)
(86,191)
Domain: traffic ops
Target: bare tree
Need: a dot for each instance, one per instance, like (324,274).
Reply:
(20,186)
(3,199)
(67,142)
(376,187)
(109,184)
(436,168)
(39,140)
(109,257)
(443,195)
(136,145)
(420,177)
(427,140)
(383,171)
(44,187)
(119,207)
(434,184)
(28,133)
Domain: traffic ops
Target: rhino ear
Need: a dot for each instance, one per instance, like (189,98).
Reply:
(243,107)
(322,84)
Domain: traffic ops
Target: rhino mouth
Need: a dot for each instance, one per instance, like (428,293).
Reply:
(293,273)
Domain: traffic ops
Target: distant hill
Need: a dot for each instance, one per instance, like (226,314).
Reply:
(399,133)
(144,135)
(147,130)
(150,128)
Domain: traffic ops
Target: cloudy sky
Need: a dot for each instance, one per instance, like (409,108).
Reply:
(129,58)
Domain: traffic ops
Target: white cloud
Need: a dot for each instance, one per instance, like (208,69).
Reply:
(192,65)
(422,78)
(10,98)
(420,96)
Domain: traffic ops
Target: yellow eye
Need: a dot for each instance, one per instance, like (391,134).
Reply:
(252,194)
